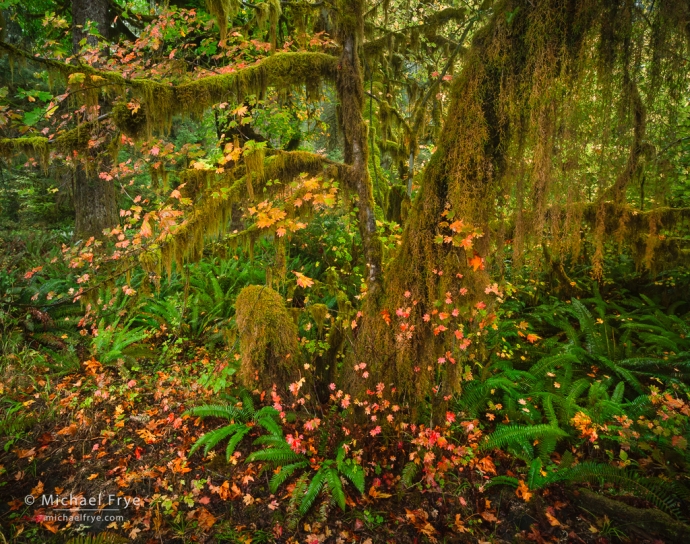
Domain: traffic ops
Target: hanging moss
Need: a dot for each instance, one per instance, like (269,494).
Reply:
(35,146)
(222,11)
(267,14)
(161,101)
(318,313)
(507,122)
(268,339)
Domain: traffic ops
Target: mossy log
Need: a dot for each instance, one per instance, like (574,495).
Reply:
(268,339)
(641,522)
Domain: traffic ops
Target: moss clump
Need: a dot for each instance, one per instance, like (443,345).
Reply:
(268,339)
(131,123)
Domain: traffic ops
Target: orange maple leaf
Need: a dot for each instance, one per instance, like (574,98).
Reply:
(523,492)
(477,263)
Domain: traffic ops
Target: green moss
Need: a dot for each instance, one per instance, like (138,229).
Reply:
(131,123)
(281,70)
(268,339)
(267,14)
(34,146)
(222,10)
(318,313)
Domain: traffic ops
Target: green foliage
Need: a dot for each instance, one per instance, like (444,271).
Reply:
(101,538)
(327,479)
(115,342)
(243,418)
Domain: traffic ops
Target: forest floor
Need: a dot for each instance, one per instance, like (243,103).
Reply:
(125,444)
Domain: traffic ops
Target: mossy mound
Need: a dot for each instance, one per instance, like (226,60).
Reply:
(268,339)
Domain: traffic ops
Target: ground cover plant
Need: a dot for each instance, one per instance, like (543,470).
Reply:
(344,271)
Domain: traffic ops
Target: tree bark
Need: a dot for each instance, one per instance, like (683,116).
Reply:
(84,11)
(350,87)
(95,199)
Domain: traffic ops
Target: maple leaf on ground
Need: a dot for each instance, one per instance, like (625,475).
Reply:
(375,494)
(523,492)
(23,454)
(38,490)
(488,516)
(552,519)
(302,280)
(459,524)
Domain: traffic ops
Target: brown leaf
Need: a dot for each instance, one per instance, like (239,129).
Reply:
(38,490)
(488,516)
(23,454)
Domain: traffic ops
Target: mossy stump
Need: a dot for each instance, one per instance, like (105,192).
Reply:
(268,339)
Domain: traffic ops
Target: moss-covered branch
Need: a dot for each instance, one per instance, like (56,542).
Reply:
(39,146)
(163,101)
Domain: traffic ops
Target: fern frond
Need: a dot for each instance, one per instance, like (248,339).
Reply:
(335,486)
(534,474)
(277,456)
(279,478)
(502,480)
(270,425)
(313,491)
(235,440)
(247,400)
(211,439)
(513,434)
(354,473)
(410,471)
(225,411)
(656,492)
(271,440)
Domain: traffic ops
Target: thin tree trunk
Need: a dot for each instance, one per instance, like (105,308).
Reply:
(83,11)
(350,88)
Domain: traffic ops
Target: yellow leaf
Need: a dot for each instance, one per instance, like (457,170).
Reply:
(93,476)
(374,493)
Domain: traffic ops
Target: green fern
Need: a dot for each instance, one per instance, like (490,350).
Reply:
(518,435)
(242,422)
(409,473)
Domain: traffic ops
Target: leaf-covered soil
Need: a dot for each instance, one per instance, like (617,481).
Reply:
(118,433)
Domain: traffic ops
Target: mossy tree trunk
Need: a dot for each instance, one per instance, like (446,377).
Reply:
(95,199)
(95,203)
(350,87)
(462,183)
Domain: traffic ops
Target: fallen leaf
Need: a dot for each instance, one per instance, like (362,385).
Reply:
(522,491)
(488,516)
